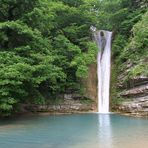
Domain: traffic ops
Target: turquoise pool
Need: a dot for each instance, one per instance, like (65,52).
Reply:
(74,131)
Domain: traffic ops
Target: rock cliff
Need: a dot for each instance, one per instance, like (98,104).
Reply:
(134,94)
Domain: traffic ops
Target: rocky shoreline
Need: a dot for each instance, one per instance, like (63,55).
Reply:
(67,106)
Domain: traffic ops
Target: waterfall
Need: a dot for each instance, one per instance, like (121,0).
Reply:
(103,39)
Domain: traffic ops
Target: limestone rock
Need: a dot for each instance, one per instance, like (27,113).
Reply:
(140,91)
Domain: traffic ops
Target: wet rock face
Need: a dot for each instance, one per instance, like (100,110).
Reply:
(91,83)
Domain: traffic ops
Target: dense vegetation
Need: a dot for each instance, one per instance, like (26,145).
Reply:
(46,47)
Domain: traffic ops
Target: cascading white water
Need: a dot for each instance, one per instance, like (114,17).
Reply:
(103,39)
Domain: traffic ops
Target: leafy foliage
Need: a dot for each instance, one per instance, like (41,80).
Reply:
(42,46)
(137,51)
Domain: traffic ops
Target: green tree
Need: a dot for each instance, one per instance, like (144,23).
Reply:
(45,47)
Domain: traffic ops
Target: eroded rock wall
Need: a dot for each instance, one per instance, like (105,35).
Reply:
(91,82)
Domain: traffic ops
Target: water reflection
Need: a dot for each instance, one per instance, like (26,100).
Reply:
(104,131)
